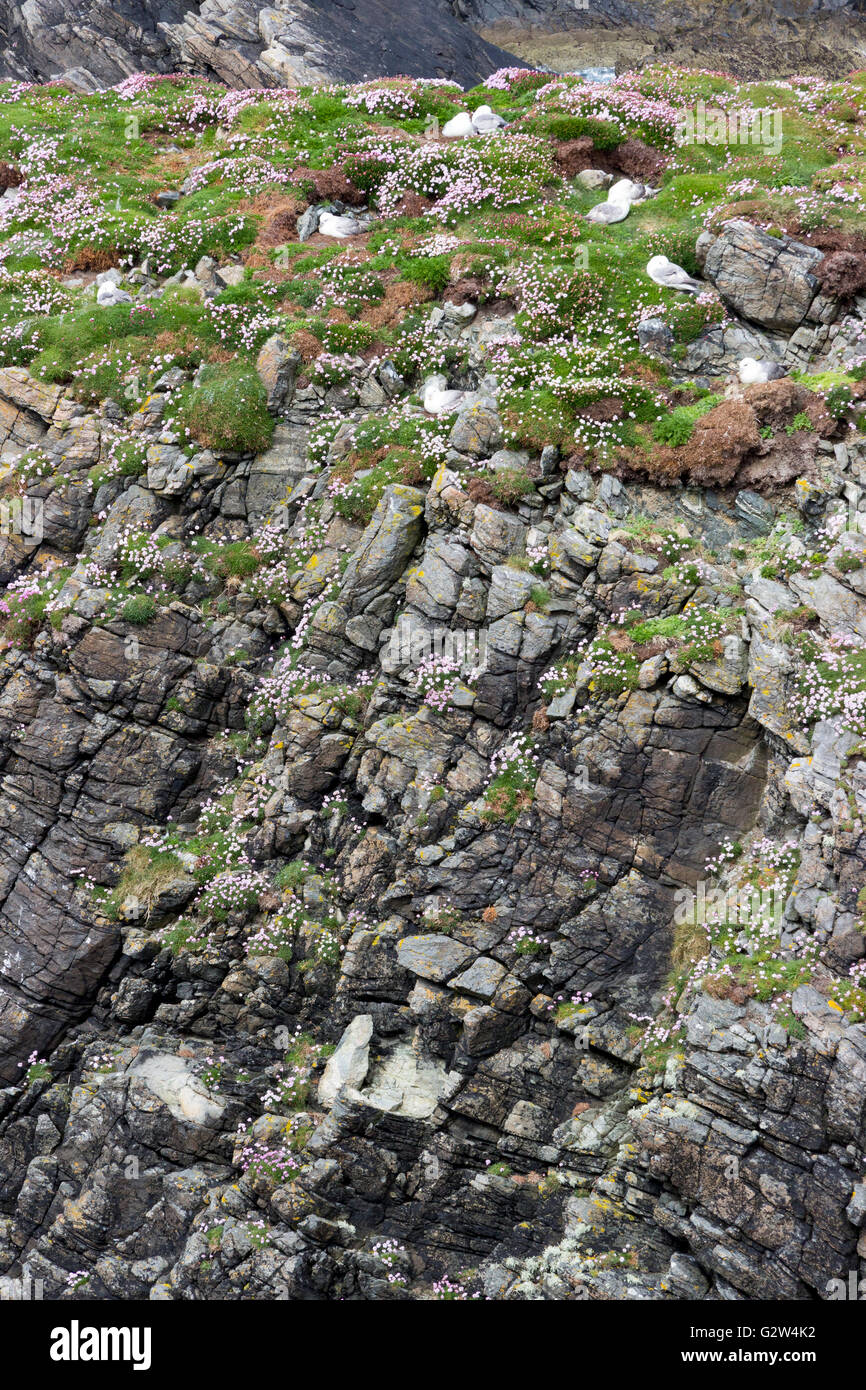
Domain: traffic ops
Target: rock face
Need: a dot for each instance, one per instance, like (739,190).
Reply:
(456,1064)
(351,1061)
(244,44)
(247,44)
(102,45)
(768,280)
(804,35)
(386,546)
(463,863)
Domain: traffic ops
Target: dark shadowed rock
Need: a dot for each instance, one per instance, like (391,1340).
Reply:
(244,44)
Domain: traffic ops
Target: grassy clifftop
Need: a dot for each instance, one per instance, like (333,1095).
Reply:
(489,217)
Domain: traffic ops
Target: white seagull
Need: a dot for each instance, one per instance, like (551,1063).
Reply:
(485,120)
(752,372)
(626,191)
(459,126)
(608,212)
(108,295)
(672,277)
(437,399)
(332,225)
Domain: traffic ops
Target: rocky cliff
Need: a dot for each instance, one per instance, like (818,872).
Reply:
(760,39)
(245,44)
(432,695)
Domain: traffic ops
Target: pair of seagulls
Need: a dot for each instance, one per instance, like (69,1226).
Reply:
(621,198)
(482,121)
(670,276)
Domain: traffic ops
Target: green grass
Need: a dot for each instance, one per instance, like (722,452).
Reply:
(139,610)
(237,558)
(511,484)
(508,795)
(677,428)
(226,410)
(365,489)
(433,272)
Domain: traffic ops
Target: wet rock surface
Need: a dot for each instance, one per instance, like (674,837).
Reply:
(804,36)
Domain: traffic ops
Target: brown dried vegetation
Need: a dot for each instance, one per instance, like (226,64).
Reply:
(329,185)
(726,446)
(10,176)
(842,274)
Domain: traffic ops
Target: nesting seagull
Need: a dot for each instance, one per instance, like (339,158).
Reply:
(752,372)
(108,295)
(485,120)
(608,212)
(627,191)
(459,126)
(332,225)
(437,399)
(672,277)
(621,198)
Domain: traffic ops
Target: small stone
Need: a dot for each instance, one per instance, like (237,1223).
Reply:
(655,336)
(756,514)
(477,431)
(278,364)
(308,223)
(349,1064)
(651,671)
(482,978)
(595,178)
(562,705)
(579,484)
(432,956)
(549,460)
(460,313)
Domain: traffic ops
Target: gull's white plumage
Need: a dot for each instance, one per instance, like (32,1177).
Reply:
(752,372)
(608,212)
(626,191)
(438,400)
(622,196)
(671,276)
(459,126)
(332,225)
(485,119)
